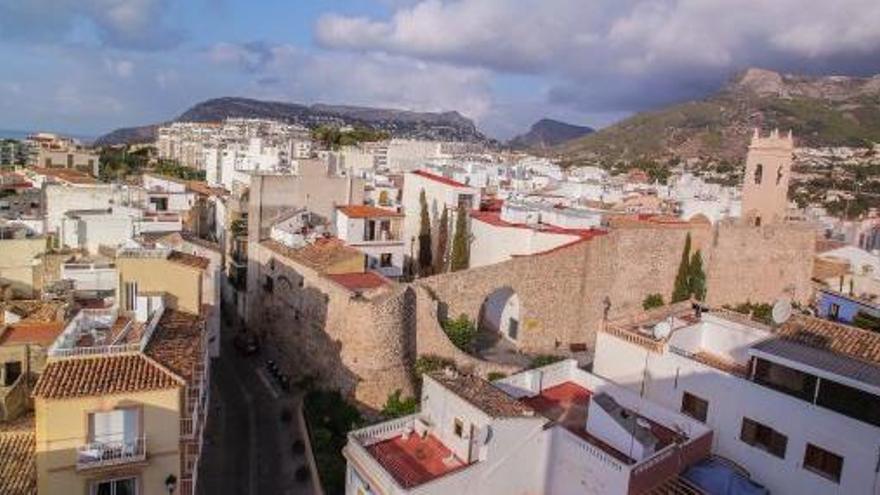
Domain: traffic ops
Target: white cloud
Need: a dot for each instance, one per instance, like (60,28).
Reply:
(128,24)
(286,72)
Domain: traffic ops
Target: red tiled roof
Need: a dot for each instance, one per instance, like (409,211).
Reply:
(439,178)
(176,344)
(187,259)
(69,175)
(414,460)
(494,218)
(103,375)
(367,211)
(18,469)
(359,281)
(42,333)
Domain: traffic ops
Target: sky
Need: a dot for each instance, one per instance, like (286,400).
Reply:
(89,66)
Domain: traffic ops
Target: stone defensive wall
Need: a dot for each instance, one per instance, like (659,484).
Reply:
(366,343)
(564,294)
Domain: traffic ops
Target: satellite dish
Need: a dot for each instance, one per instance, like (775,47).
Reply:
(781,311)
(662,330)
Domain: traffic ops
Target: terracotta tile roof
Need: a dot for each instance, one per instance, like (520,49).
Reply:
(204,189)
(42,333)
(319,255)
(34,311)
(482,395)
(187,259)
(367,211)
(67,175)
(439,178)
(844,340)
(176,343)
(103,375)
(359,281)
(823,268)
(18,469)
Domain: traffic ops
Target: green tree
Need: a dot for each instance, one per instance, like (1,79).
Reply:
(652,301)
(696,276)
(460,249)
(425,257)
(462,332)
(682,291)
(442,242)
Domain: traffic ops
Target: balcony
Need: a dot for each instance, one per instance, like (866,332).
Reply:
(109,454)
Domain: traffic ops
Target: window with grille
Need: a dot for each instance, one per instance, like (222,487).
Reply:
(822,462)
(695,407)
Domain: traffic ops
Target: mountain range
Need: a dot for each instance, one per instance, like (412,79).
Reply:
(820,110)
(450,126)
(547,133)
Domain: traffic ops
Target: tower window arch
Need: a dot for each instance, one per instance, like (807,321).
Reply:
(759,173)
(779,175)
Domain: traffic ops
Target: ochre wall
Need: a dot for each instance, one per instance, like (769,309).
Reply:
(62,425)
(183,284)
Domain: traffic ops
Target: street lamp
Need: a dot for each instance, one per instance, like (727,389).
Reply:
(171,483)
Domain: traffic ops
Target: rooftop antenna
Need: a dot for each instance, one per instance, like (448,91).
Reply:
(781,311)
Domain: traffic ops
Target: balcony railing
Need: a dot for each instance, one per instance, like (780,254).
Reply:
(111,453)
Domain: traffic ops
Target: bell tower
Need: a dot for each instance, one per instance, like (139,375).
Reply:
(765,184)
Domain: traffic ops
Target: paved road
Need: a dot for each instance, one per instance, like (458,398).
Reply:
(248,448)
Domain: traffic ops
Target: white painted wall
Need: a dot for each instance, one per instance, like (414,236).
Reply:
(494,244)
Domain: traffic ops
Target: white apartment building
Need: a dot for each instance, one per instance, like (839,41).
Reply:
(112,227)
(59,198)
(440,192)
(167,194)
(797,405)
(553,430)
(234,162)
(521,229)
(377,233)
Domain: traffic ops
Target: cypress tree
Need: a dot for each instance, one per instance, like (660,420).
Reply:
(682,291)
(424,238)
(696,277)
(460,256)
(442,243)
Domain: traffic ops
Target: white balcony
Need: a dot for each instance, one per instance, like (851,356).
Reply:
(111,453)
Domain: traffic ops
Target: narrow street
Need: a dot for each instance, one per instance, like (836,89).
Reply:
(248,448)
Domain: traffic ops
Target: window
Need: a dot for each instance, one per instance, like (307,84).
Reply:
(779,175)
(763,437)
(131,295)
(12,371)
(513,328)
(823,463)
(786,380)
(856,404)
(834,311)
(119,426)
(268,284)
(695,407)
(123,486)
(465,201)
(757,221)
(759,173)
(458,428)
(385,260)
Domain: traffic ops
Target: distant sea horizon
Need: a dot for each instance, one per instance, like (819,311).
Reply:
(19,134)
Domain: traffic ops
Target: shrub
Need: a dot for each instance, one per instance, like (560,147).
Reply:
(329,419)
(544,360)
(396,407)
(430,363)
(652,301)
(761,312)
(462,332)
(496,375)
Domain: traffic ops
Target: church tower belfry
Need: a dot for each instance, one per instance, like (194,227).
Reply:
(765,183)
